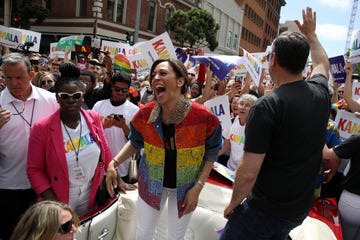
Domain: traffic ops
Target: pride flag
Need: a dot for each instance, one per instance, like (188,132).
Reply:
(121,62)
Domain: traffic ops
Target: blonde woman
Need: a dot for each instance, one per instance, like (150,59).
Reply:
(47,220)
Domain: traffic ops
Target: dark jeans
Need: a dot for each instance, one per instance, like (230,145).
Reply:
(249,223)
(13,203)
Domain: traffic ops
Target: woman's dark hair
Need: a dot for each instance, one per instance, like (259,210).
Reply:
(179,69)
(69,72)
(292,51)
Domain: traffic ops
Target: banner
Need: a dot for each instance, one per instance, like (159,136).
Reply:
(114,48)
(253,66)
(220,107)
(220,65)
(356,90)
(348,124)
(68,43)
(10,37)
(337,68)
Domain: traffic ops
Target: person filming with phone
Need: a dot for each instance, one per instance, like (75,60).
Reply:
(117,113)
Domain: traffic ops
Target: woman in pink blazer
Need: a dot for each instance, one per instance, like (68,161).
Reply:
(66,148)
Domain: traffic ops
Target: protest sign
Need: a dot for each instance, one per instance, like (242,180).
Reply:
(68,43)
(355,48)
(220,106)
(220,65)
(54,53)
(348,123)
(114,48)
(253,66)
(30,36)
(356,90)
(10,37)
(337,68)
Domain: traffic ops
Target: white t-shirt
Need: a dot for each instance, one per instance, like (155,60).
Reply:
(236,135)
(81,171)
(14,135)
(115,135)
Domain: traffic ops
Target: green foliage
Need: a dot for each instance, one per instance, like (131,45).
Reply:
(195,27)
(30,9)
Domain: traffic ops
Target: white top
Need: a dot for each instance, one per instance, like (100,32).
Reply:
(236,135)
(115,135)
(14,135)
(81,171)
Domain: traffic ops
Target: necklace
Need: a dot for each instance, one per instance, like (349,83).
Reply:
(78,148)
(21,113)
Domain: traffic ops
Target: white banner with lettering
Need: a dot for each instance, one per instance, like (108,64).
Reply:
(220,106)
(348,123)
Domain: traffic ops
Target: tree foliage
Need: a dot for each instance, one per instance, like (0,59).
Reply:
(196,27)
(30,9)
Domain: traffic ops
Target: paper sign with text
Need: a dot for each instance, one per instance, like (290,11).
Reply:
(337,68)
(253,66)
(10,37)
(140,62)
(348,123)
(115,48)
(356,90)
(220,106)
(54,53)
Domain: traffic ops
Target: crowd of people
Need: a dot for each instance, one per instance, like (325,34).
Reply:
(65,124)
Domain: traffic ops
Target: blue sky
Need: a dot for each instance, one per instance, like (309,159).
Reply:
(333,18)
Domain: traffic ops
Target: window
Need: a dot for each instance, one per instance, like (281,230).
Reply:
(115,10)
(83,8)
(151,20)
(168,12)
(236,40)
(119,11)
(110,9)
(228,39)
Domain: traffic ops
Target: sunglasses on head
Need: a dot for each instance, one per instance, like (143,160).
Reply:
(43,82)
(66,227)
(75,95)
(118,89)
(269,56)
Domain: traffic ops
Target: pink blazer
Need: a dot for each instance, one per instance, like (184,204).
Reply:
(46,165)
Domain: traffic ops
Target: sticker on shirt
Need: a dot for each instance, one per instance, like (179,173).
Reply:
(78,173)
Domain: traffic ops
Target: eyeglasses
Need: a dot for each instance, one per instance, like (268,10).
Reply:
(118,89)
(246,105)
(66,227)
(43,82)
(43,61)
(75,95)
(269,56)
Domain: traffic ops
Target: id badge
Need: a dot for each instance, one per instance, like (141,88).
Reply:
(78,173)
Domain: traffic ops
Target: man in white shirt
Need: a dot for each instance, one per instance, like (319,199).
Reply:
(22,104)
(117,113)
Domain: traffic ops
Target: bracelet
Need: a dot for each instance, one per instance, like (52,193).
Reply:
(117,161)
(202,184)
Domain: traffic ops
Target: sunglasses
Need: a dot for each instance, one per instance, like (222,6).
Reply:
(75,95)
(192,74)
(43,82)
(66,227)
(118,89)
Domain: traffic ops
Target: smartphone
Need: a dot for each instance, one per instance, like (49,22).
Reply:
(117,117)
(238,78)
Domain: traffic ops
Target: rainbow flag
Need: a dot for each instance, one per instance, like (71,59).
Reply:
(121,62)
(340,103)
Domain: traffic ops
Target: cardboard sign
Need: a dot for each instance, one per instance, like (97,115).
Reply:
(253,66)
(55,53)
(114,48)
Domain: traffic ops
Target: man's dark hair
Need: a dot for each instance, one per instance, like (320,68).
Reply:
(292,51)
(121,77)
(89,74)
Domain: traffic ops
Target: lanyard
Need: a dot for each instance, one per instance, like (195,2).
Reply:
(78,149)
(21,113)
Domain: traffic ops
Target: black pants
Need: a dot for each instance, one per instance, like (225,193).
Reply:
(13,203)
